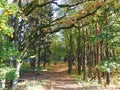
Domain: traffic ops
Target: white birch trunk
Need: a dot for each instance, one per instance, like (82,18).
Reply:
(15,81)
(2,83)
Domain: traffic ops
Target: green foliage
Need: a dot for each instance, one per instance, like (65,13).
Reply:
(3,72)
(74,15)
(7,48)
(6,10)
(107,64)
(11,75)
(92,39)
(78,77)
(8,73)
(58,48)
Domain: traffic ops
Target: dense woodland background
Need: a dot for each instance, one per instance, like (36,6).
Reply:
(85,34)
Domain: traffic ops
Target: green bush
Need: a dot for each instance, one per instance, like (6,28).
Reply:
(11,75)
(8,73)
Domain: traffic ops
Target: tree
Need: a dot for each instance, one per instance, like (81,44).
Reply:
(7,48)
(76,21)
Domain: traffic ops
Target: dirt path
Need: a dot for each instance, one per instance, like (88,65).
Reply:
(60,79)
(57,79)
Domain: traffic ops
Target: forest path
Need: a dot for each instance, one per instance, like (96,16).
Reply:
(57,78)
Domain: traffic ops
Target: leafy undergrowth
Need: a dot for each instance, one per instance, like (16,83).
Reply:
(115,77)
(93,83)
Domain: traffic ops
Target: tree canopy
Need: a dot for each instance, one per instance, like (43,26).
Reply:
(89,33)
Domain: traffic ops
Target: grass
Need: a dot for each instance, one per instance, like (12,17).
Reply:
(114,79)
(86,83)
(32,85)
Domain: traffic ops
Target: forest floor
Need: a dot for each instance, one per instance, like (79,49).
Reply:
(57,78)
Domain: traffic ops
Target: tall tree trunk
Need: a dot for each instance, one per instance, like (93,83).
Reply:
(98,54)
(38,64)
(89,62)
(15,81)
(70,53)
(108,73)
(44,62)
(78,51)
(44,52)
(107,53)
(84,56)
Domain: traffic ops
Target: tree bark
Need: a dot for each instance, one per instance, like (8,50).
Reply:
(70,53)
(78,51)
(38,64)
(84,56)
(107,53)
(98,54)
